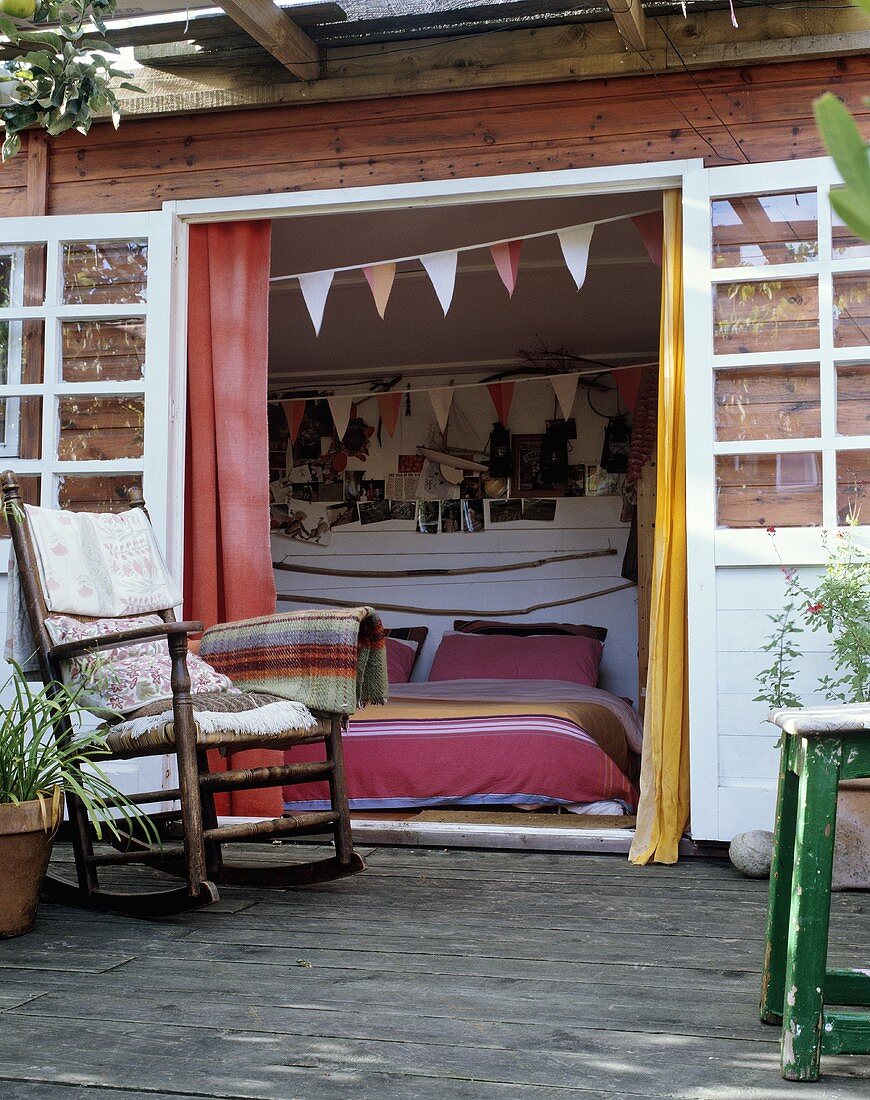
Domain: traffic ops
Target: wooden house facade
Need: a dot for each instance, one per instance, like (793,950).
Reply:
(95,388)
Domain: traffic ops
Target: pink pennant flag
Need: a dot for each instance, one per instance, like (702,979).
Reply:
(575,248)
(315,288)
(388,406)
(441,269)
(380,278)
(340,408)
(652,230)
(565,389)
(507,261)
(502,394)
(628,385)
(294,411)
(442,399)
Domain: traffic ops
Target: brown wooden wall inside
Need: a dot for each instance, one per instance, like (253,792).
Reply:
(725,116)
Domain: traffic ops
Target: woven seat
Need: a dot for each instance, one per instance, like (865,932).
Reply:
(182,727)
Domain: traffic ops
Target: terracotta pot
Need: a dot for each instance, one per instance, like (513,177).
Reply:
(26,836)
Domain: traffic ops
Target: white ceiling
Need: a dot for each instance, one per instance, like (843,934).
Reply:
(615,315)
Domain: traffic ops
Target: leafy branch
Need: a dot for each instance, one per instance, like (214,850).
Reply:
(64,76)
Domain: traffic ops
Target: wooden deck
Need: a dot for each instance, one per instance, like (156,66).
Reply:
(435,975)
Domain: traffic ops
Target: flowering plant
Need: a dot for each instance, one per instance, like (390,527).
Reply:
(838,602)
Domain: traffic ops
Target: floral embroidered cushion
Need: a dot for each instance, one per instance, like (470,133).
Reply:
(126,677)
(100,564)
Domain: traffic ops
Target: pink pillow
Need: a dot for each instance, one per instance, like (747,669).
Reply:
(401,655)
(507,657)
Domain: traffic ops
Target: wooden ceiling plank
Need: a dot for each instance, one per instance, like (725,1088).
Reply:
(276,32)
(630,21)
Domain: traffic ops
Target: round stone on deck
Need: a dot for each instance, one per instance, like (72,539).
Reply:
(751,853)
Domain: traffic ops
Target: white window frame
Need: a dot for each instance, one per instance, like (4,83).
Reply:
(163,422)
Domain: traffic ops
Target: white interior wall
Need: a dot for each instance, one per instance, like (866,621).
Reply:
(581,523)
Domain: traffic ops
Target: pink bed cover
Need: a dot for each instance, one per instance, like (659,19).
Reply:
(530,760)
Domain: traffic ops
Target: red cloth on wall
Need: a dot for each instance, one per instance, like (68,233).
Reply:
(227,555)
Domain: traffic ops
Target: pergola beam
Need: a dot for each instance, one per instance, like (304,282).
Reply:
(630,21)
(276,32)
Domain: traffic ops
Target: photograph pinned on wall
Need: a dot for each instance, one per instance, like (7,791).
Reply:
(539,510)
(505,511)
(471,487)
(373,511)
(403,509)
(410,464)
(371,490)
(428,516)
(528,480)
(495,488)
(352,482)
(451,517)
(472,516)
(575,483)
(599,483)
(433,483)
(281,489)
(340,514)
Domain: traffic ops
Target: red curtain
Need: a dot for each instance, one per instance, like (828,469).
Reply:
(227,556)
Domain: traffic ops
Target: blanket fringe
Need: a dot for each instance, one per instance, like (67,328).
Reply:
(273,718)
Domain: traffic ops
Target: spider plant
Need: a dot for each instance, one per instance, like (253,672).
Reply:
(34,764)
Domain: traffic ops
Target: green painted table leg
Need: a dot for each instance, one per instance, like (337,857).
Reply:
(810,910)
(779,896)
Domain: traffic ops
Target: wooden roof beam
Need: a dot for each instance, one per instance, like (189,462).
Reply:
(630,21)
(276,32)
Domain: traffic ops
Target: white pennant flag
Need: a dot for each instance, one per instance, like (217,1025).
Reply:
(315,287)
(441,269)
(441,400)
(565,389)
(575,248)
(340,409)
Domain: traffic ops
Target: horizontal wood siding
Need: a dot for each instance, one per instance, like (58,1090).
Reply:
(756,113)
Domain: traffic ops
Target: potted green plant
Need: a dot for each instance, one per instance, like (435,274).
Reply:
(37,769)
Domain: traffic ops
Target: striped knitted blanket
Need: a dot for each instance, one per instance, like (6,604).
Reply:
(332,661)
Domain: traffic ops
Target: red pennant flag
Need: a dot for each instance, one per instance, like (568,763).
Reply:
(294,411)
(507,261)
(502,393)
(652,230)
(389,405)
(628,385)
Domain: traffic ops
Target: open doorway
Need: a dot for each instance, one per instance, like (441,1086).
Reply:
(454,557)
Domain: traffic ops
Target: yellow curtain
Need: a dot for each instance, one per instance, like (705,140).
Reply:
(664,775)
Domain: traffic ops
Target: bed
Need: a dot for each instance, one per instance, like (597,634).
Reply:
(528,743)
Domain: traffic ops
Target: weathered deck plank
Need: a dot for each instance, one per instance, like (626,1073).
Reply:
(435,976)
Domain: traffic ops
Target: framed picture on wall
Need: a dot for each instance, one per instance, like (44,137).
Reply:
(527,469)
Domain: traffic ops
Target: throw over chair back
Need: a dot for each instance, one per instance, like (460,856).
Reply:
(106,567)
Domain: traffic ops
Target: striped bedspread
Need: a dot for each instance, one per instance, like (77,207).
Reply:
(485,742)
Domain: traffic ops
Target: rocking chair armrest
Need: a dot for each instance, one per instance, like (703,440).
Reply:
(64,650)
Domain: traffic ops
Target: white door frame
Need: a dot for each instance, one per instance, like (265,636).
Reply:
(436,193)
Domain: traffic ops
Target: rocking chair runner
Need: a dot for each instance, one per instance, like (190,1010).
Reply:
(200,858)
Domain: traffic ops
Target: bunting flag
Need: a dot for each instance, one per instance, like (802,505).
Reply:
(628,385)
(380,278)
(315,288)
(565,389)
(502,394)
(441,269)
(575,248)
(441,399)
(294,410)
(340,408)
(652,230)
(507,261)
(388,406)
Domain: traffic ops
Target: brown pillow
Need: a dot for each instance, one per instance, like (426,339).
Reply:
(523,630)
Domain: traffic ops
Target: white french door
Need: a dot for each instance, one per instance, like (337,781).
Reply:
(778,447)
(89,403)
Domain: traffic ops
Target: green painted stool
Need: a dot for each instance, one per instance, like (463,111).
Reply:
(820,746)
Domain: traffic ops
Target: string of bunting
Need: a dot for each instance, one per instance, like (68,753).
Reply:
(574,240)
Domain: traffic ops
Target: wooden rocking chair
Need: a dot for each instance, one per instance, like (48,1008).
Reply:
(199,860)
